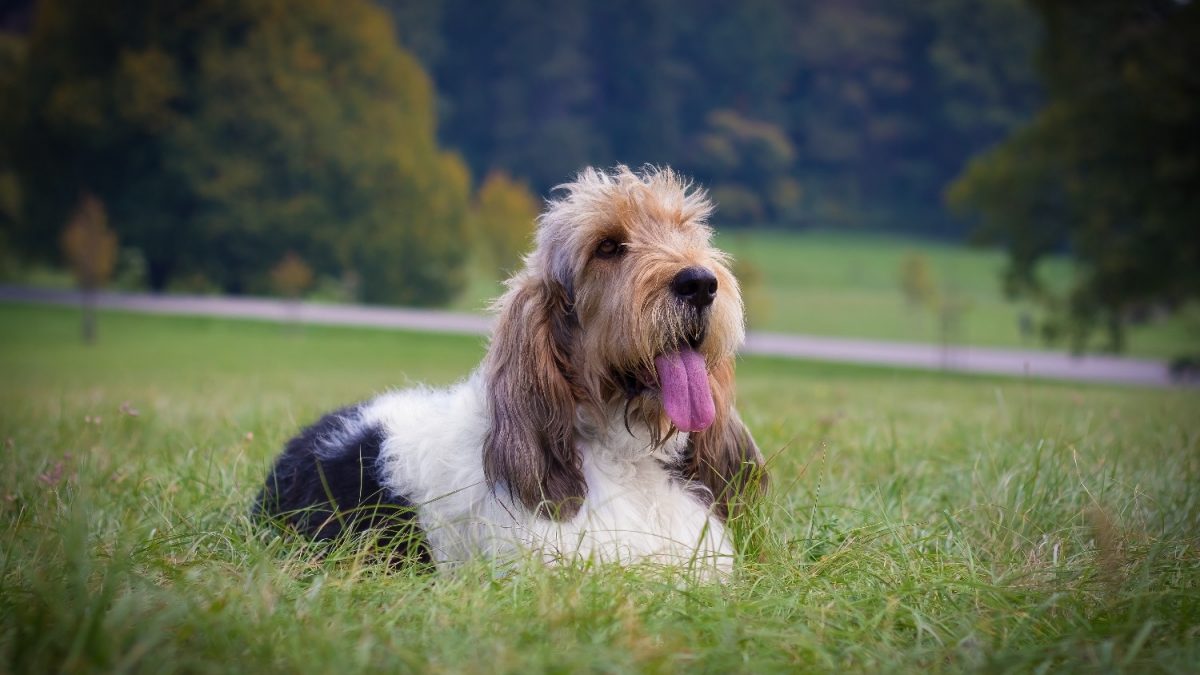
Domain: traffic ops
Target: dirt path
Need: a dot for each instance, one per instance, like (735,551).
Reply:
(1030,363)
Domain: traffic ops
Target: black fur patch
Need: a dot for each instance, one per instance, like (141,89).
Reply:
(326,483)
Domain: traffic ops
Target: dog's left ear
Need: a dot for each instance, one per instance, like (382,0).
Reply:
(724,457)
(530,443)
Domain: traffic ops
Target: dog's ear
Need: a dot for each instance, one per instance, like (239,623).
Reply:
(724,457)
(530,444)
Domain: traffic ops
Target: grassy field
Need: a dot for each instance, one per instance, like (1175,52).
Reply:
(916,522)
(845,285)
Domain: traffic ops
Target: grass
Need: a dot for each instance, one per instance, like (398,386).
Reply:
(844,285)
(847,285)
(916,522)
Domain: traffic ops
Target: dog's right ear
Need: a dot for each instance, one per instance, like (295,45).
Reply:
(530,444)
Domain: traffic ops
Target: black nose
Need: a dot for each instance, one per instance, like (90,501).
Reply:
(696,286)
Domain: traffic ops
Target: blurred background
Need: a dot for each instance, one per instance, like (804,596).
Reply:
(987,172)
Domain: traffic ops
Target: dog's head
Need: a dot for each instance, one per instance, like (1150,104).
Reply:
(623,304)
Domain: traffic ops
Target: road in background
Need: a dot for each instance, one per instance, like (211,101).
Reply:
(1024,363)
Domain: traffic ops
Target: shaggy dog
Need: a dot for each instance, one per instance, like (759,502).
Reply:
(600,425)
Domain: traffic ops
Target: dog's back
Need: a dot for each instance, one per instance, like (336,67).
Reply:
(327,484)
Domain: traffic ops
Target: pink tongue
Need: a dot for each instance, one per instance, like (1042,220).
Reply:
(685,392)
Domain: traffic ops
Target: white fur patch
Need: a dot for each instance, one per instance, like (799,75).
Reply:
(635,510)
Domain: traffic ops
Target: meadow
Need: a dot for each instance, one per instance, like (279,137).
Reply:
(848,285)
(916,522)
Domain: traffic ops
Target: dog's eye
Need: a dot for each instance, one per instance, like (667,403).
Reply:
(608,248)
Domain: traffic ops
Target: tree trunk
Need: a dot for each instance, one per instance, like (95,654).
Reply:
(89,316)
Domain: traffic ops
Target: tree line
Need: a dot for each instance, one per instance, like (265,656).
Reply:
(221,137)
(794,113)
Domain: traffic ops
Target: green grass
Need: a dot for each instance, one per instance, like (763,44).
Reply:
(916,522)
(848,285)
(845,285)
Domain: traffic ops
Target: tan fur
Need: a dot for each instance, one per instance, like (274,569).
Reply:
(572,323)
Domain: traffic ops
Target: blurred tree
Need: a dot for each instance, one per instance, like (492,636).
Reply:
(222,134)
(12,62)
(10,207)
(746,53)
(737,205)
(520,90)
(505,212)
(1109,169)
(951,307)
(785,195)
(893,97)
(421,261)
(130,273)
(291,276)
(881,103)
(916,280)
(418,27)
(944,301)
(90,249)
(645,102)
(978,84)
(736,153)
(850,117)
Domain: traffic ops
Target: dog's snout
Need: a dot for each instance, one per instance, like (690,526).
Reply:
(696,286)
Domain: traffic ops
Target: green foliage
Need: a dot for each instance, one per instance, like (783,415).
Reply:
(737,203)
(88,245)
(291,276)
(916,280)
(915,523)
(12,61)
(869,107)
(515,95)
(736,153)
(90,249)
(786,198)
(1109,170)
(225,134)
(504,216)
(130,274)
(418,256)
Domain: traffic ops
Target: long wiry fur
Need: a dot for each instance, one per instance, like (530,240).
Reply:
(560,443)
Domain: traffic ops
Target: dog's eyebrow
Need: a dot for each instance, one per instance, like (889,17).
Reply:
(614,231)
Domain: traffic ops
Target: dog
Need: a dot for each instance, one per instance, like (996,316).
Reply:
(600,424)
